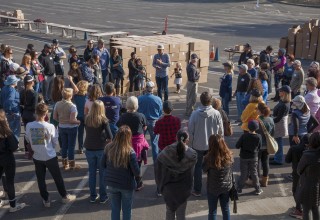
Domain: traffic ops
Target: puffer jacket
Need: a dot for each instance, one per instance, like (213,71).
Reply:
(308,192)
(8,145)
(219,180)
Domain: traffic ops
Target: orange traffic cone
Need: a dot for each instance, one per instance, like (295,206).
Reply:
(212,54)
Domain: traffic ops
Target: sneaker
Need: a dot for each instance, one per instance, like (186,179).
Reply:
(239,190)
(139,187)
(69,198)
(80,151)
(258,191)
(103,201)
(46,203)
(158,194)
(289,177)
(196,194)
(18,207)
(296,214)
(93,200)
(4,202)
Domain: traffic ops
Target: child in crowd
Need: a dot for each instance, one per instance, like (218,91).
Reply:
(178,76)
(249,145)
(79,100)
(94,93)
(142,75)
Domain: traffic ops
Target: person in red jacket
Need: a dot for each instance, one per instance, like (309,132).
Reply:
(167,126)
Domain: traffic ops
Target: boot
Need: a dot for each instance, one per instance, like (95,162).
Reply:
(117,92)
(65,164)
(264,181)
(73,166)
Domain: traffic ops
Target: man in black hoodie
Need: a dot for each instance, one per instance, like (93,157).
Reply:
(46,59)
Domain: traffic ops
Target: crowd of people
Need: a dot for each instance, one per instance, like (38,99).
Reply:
(86,101)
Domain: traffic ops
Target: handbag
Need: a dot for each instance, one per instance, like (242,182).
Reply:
(227,128)
(233,194)
(272,145)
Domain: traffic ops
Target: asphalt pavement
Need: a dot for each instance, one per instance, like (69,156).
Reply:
(225,24)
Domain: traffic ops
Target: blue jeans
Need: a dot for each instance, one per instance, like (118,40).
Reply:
(114,129)
(104,77)
(36,86)
(14,121)
(225,103)
(224,203)
(94,161)
(68,141)
(120,198)
(198,171)
(80,133)
(153,138)
(240,96)
(278,157)
(162,84)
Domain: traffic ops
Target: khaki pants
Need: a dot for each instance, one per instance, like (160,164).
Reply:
(192,90)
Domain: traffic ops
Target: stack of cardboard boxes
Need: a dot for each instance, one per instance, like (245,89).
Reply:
(177,46)
(303,41)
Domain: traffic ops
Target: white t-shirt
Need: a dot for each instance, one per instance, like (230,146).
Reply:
(88,104)
(43,138)
(60,52)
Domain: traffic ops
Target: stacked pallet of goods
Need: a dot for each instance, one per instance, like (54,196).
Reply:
(303,41)
(177,46)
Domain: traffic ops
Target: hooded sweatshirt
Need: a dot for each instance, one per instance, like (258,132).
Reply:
(175,179)
(204,122)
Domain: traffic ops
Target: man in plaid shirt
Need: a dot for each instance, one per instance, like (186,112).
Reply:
(167,126)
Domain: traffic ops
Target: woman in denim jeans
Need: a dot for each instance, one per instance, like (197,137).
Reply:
(225,91)
(65,112)
(98,134)
(121,168)
(218,166)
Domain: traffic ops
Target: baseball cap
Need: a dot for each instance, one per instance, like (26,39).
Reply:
(167,106)
(194,56)
(100,40)
(285,88)
(299,101)
(28,78)
(283,51)
(160,47)
(55,41)
(21,71)
(253,125)
(243,66)
(47,45)
(247,45)
(297,62)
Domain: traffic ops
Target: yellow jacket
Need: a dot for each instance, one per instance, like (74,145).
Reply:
(249,113)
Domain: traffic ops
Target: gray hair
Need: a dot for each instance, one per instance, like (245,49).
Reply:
(251,61)
(132,103)
(311,81)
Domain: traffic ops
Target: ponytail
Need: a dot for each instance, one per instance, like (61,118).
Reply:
(182,137)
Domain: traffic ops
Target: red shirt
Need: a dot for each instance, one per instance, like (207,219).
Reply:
(167,127)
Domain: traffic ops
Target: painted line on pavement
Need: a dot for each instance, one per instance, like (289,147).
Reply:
(63,210)
(279,179)
(21,193)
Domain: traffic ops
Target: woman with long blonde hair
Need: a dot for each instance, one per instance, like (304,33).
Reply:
(98,134)
(218,166)
(121,169)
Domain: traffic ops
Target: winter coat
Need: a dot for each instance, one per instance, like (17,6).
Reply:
(175,179)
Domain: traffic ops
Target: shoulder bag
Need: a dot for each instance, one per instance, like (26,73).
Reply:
(272,145)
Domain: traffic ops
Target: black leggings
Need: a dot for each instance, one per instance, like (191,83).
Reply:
(8,167)
(314,210)
(178,86)
(264,159)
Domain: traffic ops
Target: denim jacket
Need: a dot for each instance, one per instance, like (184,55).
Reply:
(10,100)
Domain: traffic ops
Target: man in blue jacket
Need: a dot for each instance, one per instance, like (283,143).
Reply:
(161,62)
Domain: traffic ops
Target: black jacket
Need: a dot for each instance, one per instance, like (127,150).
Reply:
(244,57)
(87,54)
(308,192)
(280,110)
(46,61)
(219,180)
(8,146)
(264,57)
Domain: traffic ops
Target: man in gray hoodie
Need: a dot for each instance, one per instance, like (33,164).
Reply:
(203,122)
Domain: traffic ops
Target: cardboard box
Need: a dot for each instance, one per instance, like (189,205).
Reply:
(183,56)
(305,51)
(184,47)
(307,27)
(283,42)
(141,51)
(204,62)
(199,45)
(241,47)
(150,59)
(299,37)
(318,53)
(292,32)
(314,22)
(291,46)
(174,48)
(174,57)
(125,52)
(313,43)
(298,50)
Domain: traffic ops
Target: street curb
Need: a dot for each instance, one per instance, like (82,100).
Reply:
(295,4)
